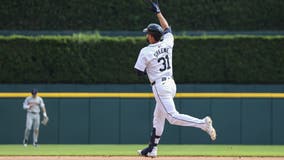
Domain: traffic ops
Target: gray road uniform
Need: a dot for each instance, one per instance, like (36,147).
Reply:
(33,107)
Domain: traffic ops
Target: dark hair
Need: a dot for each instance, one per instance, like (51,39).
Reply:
(157,36)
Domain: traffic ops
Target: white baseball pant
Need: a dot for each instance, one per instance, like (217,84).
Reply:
(164,92)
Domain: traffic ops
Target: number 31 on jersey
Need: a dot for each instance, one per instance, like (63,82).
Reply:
(165,62)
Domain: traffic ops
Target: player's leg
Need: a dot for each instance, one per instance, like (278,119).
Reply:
(159,121)
(28,128)
(158,127)
(36,129)
(165,95)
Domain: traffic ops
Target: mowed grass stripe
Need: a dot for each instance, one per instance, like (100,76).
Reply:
(130,150)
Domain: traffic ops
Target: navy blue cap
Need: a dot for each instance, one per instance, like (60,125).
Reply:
(154,28)
(34,91)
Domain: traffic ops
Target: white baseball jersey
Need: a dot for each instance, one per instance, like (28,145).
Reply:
(36,102)
(156,58)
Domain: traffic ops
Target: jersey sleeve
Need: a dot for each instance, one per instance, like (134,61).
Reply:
(168,37)
(141,62)
(41,103)
(25,104)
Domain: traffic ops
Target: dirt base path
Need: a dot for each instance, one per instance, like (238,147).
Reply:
(131,158)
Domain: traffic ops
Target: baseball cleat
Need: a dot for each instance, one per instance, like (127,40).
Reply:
(25,142)
(153,153)
(140,152)
(210,129)
(145,153)
(35,144)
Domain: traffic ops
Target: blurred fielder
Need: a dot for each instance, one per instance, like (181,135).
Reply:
(33,104)
(155,60)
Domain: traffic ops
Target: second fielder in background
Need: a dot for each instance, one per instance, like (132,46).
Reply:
(33,104)
(155,60)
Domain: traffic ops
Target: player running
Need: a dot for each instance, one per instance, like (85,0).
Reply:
(33,104)
(155,60)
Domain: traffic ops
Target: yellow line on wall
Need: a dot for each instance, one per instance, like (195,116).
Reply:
(139,95)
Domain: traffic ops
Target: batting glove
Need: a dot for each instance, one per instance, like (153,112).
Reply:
(155,7)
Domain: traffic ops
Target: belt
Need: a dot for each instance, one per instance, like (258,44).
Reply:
(162,79)
(34,112)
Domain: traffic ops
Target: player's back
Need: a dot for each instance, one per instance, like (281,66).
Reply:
(159,58)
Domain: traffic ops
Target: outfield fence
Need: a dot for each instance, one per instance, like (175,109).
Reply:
(122,114)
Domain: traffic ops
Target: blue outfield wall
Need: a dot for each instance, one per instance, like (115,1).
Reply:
(129,120)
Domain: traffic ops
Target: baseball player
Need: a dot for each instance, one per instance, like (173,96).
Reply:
(155,60)
(32,105)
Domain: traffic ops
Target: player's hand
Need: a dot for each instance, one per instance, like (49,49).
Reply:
(155,7)
(45,120)
(30,105)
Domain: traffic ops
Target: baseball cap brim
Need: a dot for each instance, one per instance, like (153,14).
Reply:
(145,30)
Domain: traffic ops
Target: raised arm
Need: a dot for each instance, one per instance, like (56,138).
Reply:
(163,22)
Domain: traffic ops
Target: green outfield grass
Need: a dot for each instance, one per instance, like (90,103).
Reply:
(130,150)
